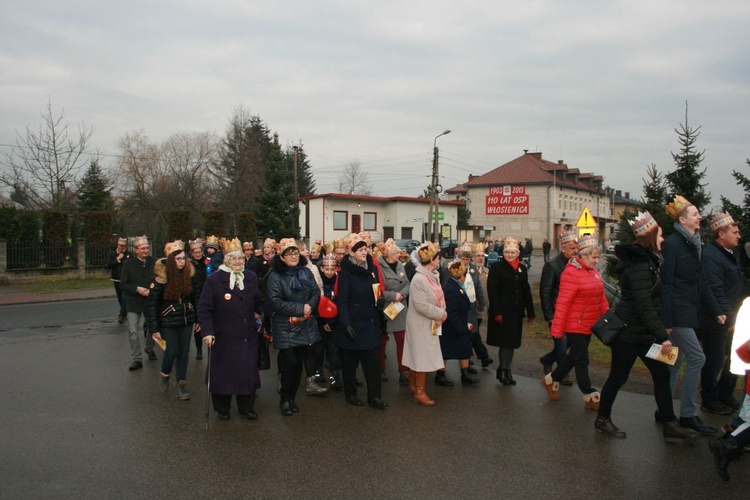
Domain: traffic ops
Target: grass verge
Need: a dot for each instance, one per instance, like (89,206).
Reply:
(54,285)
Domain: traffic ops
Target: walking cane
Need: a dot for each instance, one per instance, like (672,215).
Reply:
(208,384)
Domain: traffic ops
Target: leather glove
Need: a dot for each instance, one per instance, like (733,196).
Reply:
(350,333)
(530,319)
(498,319)
(381,302)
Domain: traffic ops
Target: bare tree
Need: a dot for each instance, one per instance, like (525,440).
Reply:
(45,163)
(354,180)
(185,160)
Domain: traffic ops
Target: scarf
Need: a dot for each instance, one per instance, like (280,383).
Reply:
(363,265)
(468,287)
(463,286)
(235,277)
(437,291)
(693,239)
(514,264)
(300,281)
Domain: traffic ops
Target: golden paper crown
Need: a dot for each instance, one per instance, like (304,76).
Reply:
(196,243)
(427,252)
(247,243)
(140,240)
(643,223)
(173,246)
(478,248)
(457,269)
(587,241)
(390,247)
(285,244)
(675,208)
(365,235)
(376,252)
(465,248)
(567,237)
(271,242)
(339,243)
(122,241)
(329,247)
(318,245)
(212,242)
(511,244)
(354,240)
(720,221)
(329,259)
(232,245)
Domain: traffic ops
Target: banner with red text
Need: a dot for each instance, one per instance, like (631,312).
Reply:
(507,200)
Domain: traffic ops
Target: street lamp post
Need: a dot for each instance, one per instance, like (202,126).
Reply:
(432,218)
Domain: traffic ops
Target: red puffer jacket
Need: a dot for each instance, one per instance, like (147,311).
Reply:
(580,301)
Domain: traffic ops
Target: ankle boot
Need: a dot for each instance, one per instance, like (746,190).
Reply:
(502,376)
(467,379)
(182,393)
(549,386)
(335,380)
(605,426)
(314,389)
(164,382)
(724,449)
(509,376)
(675,433)
(442,380)
(412,378)
(420,397)
(592,401)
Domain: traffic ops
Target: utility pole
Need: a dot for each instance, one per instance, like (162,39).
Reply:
(432,218)
(296,188)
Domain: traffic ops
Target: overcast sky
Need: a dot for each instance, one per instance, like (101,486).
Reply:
(599,84)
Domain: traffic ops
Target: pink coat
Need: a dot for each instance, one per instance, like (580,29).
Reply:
(581,300)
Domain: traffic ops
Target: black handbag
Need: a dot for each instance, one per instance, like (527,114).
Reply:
(608,327)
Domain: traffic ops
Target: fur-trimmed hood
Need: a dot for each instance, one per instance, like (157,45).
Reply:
(160,270)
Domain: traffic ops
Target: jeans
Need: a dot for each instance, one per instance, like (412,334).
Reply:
(624,355)
(686,339)
(135,327)
(178,346)
(558,351)
(578,358)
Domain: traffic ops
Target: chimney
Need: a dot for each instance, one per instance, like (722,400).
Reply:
(627,194)
(525,151)
(618,192)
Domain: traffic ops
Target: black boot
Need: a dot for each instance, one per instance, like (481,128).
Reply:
(724,449)
(675,433)
(502,376)
(511,380)
(440,379)
(466,379)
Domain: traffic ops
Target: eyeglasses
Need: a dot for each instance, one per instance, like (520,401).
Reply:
(179,258)
(291,253)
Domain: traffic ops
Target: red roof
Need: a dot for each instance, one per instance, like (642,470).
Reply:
(531,168)
(364,197)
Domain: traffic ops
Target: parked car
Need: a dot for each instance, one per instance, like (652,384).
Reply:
(408,245)
(611,246)
(448,248)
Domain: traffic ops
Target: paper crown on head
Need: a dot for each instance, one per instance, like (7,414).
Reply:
(339,243)
(212,242)
(246,244)
(286,244)
(511,244)
(428,251)
(173,246)
(354,242)
(587,241)
(329,259)
(367,236)
(329,247)
(377,251)
(258,252)
(122,241)
(478,248)
(567,237)
(140,240)
(271,242)
(643,223)
(318,245)
(196,243)
(675,208)
(232,245)
(390,247)
(457,269)
(720,221)
(465,247)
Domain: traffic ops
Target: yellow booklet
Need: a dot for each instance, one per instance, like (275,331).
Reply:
(161,343)
(393,309)
(654,352)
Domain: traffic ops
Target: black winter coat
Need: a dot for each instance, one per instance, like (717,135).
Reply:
(135,273)
(722,285)
(640,304)
(357,306)
(455,342)
(681,283)
(116,267)
(164,313)
(549,286)
(288,290)
(509,295)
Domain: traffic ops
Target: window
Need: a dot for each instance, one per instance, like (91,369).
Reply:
(340,218)
(370,221)
(406,233)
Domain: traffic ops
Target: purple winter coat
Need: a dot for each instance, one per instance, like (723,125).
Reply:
(228,315)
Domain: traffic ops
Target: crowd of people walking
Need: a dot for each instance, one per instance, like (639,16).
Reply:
(334,307)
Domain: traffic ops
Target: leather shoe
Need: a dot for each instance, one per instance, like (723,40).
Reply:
(286,408)
(135,365)
(378,403)
(472,370)
(250,415)
(698,425)
(605,426)
(716,407)
(295,408)
(354,400)
(223,415)
(442,380)
(487,362)
(151,355)
(730,401)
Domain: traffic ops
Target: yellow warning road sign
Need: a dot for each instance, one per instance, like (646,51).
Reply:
(586,220)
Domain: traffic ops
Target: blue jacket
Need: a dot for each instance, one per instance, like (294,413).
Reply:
(289,289)
(723,286)
(455,340)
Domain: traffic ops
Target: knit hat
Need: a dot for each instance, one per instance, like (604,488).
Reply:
(212,242)
(675,208)
(643,223)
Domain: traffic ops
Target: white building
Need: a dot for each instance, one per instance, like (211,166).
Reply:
(334,215)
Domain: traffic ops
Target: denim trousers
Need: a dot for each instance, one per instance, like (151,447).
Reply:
(178,347)
(690,350)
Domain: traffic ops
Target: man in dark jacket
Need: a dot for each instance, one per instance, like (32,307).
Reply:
(135,279)
(546,247)
(198,260)
(116,259)
(724,291)
(528,249)
(548,288)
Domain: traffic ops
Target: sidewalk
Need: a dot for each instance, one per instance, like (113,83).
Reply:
(10,295)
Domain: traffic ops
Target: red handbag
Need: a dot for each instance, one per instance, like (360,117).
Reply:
(327,308)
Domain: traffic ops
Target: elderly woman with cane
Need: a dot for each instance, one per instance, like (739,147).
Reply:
(227,312)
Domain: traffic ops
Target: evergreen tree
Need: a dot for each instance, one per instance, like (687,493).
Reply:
(19,196)
(464,215)
(686,179)
(741,213)
(95,191)
(277,208)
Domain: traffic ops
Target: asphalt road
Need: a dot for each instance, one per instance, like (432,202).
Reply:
(55,314)
(78,424)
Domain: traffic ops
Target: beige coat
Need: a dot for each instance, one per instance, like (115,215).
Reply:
(421,348)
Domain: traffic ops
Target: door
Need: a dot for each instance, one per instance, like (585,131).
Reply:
(356,223)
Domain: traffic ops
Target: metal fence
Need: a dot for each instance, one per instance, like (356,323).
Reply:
(30,255)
